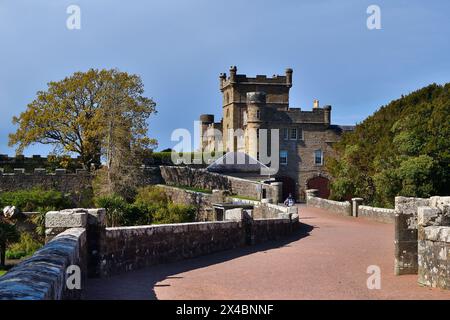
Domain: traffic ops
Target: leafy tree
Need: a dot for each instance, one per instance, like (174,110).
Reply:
(76,115)
(402,149)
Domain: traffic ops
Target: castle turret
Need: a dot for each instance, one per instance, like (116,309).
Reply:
(233,71)
(289,77)
(205,121)
(255,113)
(222,80)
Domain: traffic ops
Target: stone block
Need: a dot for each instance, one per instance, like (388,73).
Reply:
(406,257)
(426,215)
(71,218)
(234,214)
(437,233)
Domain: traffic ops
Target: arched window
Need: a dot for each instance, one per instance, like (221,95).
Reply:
(228,113)
(227,98)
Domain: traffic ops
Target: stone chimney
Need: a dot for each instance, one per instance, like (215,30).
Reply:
(316,104)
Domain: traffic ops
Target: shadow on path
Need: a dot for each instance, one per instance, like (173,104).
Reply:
(141,284)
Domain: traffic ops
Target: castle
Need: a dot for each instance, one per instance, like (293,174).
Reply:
(305,137)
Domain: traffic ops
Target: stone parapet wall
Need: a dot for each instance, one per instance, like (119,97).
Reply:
(377,214)
(43,276)
(434,257)
(270,229)
(433,227)
(129,248)
(344,208)
(406,234)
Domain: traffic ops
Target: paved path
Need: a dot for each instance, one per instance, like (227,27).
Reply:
(326,260)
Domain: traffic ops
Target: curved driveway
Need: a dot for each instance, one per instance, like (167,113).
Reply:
(327,259)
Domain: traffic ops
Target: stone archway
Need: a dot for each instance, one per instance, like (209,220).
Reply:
(322,184)
(288,187)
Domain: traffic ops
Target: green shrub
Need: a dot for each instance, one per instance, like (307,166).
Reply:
(174,213)
(25,247)
(151,195)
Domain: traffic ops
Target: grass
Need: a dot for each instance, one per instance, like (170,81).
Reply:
(2,272)
(194,189)
(244,197)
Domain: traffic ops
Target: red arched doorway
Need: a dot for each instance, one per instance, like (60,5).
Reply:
(288,187)
(322,184)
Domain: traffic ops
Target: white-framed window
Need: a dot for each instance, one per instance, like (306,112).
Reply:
(283,157)
(285,133)
(293,134)
(318,157)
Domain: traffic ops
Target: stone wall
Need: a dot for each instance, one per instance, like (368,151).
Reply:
(198,178)
(43,276)
(377,214)
(434,257)
(406,234)
(344,208)
(78,184)
(129,248)
(201,201)
(271,229)
(434,243)
(201,178)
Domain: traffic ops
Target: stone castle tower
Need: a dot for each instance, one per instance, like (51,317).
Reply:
(253,103)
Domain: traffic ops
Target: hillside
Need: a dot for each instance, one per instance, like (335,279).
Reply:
(402,149)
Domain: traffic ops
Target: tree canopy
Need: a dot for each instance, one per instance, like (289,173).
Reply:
(402,149)
(79,114)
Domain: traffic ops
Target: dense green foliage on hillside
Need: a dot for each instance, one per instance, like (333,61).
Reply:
(402,149)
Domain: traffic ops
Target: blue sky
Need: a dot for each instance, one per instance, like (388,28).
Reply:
(179,47)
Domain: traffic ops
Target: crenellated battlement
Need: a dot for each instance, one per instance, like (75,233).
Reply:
(42,171)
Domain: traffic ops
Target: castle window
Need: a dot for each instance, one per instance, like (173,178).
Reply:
(301,136)
(285,133)
(293,134)
(283,157)
(227,98)
(228,113)
(258,114)
(318,157)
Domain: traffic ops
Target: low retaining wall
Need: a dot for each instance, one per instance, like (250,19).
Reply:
(201,178)
(203,202)
(377,214)
(344,208)
(43,276)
